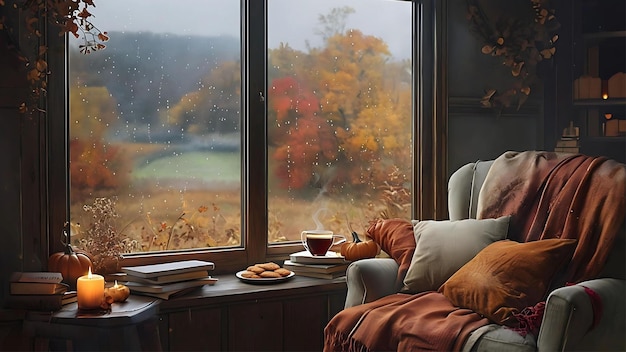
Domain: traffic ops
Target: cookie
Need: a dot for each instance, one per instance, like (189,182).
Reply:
(255,269)
(283,271)
(269,266)
(270,274)
(249,274)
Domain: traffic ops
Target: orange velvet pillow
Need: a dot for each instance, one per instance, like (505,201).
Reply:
(396,238)
(507,276)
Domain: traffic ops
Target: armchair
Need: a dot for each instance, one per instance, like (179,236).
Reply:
(589,315)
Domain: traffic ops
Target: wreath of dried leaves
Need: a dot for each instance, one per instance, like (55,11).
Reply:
(521,44)
(70,16)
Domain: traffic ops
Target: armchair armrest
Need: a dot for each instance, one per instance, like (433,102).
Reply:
(569,317)
(370,279)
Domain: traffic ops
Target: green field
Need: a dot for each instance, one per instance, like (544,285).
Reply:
(202,166)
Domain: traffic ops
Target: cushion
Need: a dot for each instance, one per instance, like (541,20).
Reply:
(443,247)
(507,276)
(396,238)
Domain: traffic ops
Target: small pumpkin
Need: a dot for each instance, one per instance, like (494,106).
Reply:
(358,249)
(69,263)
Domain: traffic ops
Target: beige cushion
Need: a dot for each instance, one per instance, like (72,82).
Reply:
(443,247)
(507,276)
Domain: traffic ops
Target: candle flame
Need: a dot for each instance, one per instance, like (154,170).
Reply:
(89,274)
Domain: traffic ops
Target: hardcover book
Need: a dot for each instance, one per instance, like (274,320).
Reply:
(167,291)
(140,287)
(315,268)
(305,257)
(36,276)
(156,270)
(165,279)
(321,275)
(37,288)
(41,302)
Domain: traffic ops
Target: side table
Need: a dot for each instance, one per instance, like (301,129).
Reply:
(129,326)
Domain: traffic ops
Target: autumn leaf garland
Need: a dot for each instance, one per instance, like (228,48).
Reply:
(520,43)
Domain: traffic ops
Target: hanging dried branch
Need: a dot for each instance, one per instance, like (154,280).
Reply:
(70,16)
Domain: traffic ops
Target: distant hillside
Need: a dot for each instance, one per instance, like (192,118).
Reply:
(146,72)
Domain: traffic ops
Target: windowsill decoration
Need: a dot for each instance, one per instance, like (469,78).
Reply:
(521,42)
(68,16)
(101,238)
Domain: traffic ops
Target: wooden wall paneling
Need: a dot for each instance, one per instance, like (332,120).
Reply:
(197,329)
(336,303)
(304,337)
(256,326)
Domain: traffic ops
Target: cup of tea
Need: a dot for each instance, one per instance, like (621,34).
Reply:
(318,242)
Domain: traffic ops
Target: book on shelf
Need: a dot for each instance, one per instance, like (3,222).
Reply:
(304,257)
(573,150)
(162,269)
(37,288)
(565,143)
(36,276)
(41,302)
(315,268)
(165,279)
(166,291)
(321,275)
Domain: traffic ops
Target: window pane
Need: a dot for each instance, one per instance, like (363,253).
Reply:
(155,126)
(339,114)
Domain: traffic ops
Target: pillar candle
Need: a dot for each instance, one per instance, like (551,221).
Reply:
(90,291)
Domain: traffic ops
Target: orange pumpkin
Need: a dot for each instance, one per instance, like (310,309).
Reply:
(70,264)
(358,249)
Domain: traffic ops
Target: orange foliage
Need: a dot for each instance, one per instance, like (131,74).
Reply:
(305,139)
(342,110)
(91,167)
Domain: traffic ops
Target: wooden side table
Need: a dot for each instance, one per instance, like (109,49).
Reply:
(129,326)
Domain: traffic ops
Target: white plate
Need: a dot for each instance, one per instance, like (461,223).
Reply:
(264,280)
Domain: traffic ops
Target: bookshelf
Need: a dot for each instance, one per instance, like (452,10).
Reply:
(598,71)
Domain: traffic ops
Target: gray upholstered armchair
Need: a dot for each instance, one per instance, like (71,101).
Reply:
(571,321)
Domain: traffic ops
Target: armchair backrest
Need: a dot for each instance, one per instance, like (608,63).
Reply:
(463,189)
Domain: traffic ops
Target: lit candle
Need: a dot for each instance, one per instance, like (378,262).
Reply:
(90,291)
(119,293)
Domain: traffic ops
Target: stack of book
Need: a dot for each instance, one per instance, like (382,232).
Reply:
(569,140)
(330,266)
(167,280)
(41,291)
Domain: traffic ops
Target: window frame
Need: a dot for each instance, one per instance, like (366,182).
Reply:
(428,128)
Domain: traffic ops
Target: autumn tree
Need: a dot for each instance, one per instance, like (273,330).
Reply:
(95,164)
(359,101)
(213,107)
(303,140)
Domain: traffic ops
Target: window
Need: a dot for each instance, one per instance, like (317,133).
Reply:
(212,145)
(339,114)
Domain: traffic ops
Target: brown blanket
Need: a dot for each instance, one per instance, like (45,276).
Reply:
(553,195)
(402,322)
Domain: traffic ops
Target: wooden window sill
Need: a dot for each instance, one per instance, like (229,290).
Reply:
(230,289)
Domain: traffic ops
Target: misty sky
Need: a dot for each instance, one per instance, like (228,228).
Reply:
(291,21)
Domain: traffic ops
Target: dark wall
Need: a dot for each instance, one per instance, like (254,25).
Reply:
(475,132)
(21,238)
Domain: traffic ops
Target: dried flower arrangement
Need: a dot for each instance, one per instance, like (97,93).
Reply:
(200,228)
(69,16)
(521,43)
(101,239)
